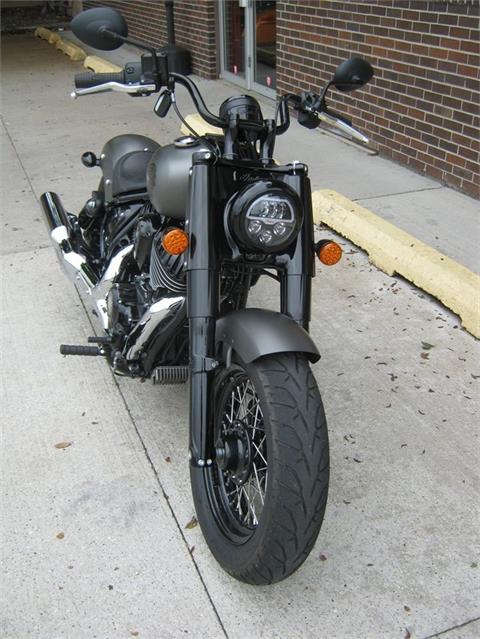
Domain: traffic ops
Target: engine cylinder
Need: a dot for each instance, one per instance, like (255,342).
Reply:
(166,271)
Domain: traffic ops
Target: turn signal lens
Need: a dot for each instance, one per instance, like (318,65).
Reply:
(175,241)
(328,252)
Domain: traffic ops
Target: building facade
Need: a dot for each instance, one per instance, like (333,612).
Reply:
(422,107)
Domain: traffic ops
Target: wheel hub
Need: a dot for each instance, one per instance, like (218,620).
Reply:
(233,452)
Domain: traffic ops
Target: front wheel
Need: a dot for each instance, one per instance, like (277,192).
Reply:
(261,504)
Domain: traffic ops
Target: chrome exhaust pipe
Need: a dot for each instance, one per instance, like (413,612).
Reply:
(73,263)
(159,323)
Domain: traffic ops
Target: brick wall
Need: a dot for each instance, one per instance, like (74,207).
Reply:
(422,108)
(195,27)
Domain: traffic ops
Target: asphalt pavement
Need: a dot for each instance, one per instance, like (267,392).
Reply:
(96,497)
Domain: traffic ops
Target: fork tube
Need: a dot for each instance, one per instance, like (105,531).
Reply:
(296,285)
(202,304)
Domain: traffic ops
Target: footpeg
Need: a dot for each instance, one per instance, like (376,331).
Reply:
(170,374)
(87,351)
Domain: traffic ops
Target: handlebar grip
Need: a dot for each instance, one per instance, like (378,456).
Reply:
(87,80)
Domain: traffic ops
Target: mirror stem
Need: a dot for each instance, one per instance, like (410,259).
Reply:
(321,99)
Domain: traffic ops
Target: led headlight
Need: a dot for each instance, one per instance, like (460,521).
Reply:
(265,216)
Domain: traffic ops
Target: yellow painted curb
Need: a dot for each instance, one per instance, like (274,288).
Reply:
(43,32)
(54,37)
(395,251)
(72,50)
(199,125)
(99,65)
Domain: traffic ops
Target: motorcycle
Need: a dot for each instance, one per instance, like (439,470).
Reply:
(168,248)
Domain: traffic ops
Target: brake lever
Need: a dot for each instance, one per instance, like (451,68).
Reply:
(341,124)
(135,89)
(337,115)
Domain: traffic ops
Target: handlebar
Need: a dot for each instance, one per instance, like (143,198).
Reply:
(129,80)
(131,89)
(196,96)
(88,80)
(130,74)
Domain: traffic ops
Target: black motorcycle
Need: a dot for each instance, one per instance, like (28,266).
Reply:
(168,248)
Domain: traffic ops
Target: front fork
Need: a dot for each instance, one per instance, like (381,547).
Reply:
(203,226)
(202,303)
(296,279)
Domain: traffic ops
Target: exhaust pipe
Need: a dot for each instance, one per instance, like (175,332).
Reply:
(61,233)
(159,323)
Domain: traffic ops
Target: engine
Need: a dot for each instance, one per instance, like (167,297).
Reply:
(148,273)
(166,271)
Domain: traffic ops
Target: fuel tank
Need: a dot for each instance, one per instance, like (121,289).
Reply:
(168,176)
(124,160)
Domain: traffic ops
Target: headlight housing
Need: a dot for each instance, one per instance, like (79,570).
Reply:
(265,216)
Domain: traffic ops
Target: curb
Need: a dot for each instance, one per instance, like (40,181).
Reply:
(199,125)
(93,62)
(47,34)
(72,50)
(54,38)
(394,251)
(44,33)
(99,65)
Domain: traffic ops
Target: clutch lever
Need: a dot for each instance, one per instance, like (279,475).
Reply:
(133,89)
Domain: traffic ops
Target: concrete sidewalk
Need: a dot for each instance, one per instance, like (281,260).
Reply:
(94,538)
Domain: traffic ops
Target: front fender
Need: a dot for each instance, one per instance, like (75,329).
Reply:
(254,332)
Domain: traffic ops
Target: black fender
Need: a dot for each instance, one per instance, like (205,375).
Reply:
(254,332)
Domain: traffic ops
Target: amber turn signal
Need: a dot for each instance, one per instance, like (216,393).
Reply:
(328,252)
(175,241)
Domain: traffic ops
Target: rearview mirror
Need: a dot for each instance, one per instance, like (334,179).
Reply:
(352,74)
(92,27)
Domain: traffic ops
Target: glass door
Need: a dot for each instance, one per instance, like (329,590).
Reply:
(248,43)
(233,40)
(264,33)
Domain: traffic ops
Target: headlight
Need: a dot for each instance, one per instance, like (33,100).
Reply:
(265,216)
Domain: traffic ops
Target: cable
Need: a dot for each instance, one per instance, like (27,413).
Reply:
(214,148)
(181,118)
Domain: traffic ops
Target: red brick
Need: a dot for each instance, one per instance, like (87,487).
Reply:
(422,105)
(472,188)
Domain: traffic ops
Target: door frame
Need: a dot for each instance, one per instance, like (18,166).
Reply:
(248,82)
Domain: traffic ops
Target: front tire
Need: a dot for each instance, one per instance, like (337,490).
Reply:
(261,504)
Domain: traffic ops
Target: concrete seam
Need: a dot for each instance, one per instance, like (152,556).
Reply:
(157,478)
(376,197)
(27,250)
(460,625)
(18,158)
(167,500)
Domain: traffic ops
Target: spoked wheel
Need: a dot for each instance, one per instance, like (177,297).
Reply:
(261,503)
(241,472)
